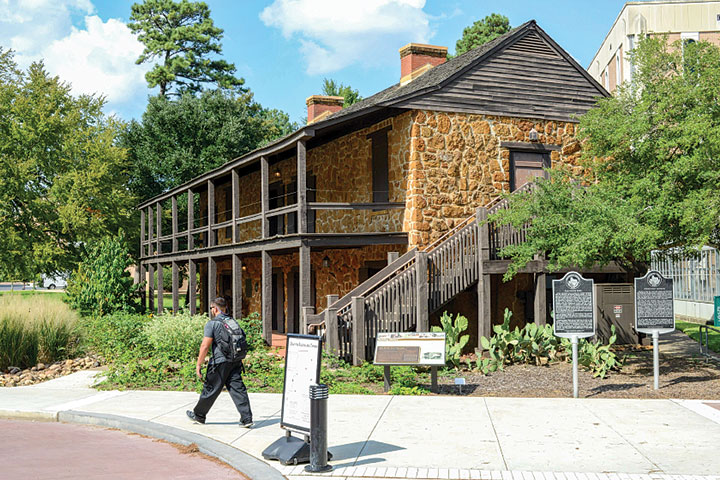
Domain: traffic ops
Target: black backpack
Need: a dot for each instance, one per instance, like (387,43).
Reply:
(232,341)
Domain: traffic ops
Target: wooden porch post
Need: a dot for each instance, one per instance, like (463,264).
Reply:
(142,234)
(210,213)
(150,231)
(237,285)
(143,283)
(151,287)
(267,297)
(421,295)
(392,256)
(332,334)
(235,204)
(264,195)
(301,187)
(358,331)
(175,287)
(174,224)
(158,228)
(304,289)
(192,285)
(160,290)
(212,282)
(540,299)
(483,286)
(190,220)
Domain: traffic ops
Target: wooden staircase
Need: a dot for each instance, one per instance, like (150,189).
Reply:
(401,297)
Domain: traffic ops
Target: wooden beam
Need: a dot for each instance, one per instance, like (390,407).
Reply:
(392,256)
(301,186)
(305,274)
(237,286)
(210,213)
(539,306)
(421,292)
(358,330)
(151,287)
(158,228)
(190,220)
(160,290)
(332,333)
(143,284)
(264,195)
(235,175)
(174,224)
(267,297)
(483,286)
(192,285)
(150,231)
(212,282)
(142,233)
(175,287)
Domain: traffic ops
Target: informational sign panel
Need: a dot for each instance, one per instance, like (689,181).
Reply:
(654,309)
(302,369)
(574,306)
(410,348)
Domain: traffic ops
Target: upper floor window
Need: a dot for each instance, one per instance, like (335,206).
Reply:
(618,69)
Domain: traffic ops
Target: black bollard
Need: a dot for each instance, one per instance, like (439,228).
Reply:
(318,429)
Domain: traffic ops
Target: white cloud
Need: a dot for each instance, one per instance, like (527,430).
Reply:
(334,34)
(98,58)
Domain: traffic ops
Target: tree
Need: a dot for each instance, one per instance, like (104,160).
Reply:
(178,140)
(102,285)
(181,36)
(482,32)
(651,178)
(335,89)
(63,179)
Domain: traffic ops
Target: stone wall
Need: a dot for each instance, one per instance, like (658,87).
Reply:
(457,164)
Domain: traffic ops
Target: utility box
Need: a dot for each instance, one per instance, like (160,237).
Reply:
(615,304)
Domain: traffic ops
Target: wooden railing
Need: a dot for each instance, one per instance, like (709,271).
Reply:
(401,296)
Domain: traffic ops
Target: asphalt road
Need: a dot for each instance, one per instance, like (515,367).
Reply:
(62,451)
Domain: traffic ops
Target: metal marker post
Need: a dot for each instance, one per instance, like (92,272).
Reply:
(656,359)
(574,341)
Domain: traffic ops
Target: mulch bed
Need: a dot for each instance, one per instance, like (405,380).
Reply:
(680,378)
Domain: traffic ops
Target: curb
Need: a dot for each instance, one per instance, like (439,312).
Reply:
(247,464)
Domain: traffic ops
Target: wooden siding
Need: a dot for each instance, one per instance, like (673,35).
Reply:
(529,78)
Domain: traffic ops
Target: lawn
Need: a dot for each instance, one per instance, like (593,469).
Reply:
(60,296)
(693,331)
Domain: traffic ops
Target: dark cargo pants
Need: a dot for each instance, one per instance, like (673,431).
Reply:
(228,375)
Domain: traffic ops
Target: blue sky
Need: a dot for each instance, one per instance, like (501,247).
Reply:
(282,48)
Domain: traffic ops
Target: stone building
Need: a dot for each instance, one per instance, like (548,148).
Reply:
(686,20)
(319,212)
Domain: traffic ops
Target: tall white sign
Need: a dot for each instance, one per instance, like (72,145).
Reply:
(302,369)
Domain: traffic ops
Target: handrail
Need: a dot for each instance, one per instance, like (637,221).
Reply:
(707,341)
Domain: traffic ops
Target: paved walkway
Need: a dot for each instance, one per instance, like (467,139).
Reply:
(434,436)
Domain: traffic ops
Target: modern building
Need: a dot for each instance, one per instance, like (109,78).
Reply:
(685,20)
(375,214)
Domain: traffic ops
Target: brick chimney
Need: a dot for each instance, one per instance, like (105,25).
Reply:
(322,106)
(416,59)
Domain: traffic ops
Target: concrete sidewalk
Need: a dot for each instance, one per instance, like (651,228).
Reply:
(433,436)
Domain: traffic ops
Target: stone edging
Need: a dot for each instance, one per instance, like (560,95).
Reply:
(237,459)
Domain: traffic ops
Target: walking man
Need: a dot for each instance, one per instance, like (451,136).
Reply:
(221,370)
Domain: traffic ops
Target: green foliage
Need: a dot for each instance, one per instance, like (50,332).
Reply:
(481,32)
(113,335)
(176,337)
(455,341)
(693,331)
(64,178)
(181,139)
(532,344)
(595,356)
(183,37)
(252,325)
(101,284)
(19,344)
(651,178)
(336,89)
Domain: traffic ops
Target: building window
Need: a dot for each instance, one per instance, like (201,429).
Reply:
(380,180)
(526,165)
(618,71)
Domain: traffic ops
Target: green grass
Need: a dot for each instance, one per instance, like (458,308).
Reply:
(693,331)
(31,293)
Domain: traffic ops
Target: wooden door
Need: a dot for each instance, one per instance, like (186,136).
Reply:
(527,165)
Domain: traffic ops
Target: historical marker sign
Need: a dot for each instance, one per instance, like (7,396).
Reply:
(302,369)
(573,306)
(654,310)
(410,348)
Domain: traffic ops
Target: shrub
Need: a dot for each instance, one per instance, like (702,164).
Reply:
(175,337)
(455,341)
(252,325)
(113,335)
(18,343)
(101,285)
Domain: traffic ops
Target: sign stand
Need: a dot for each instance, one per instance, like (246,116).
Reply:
(654,312)
(302,369)
(410,348)
(574,307)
